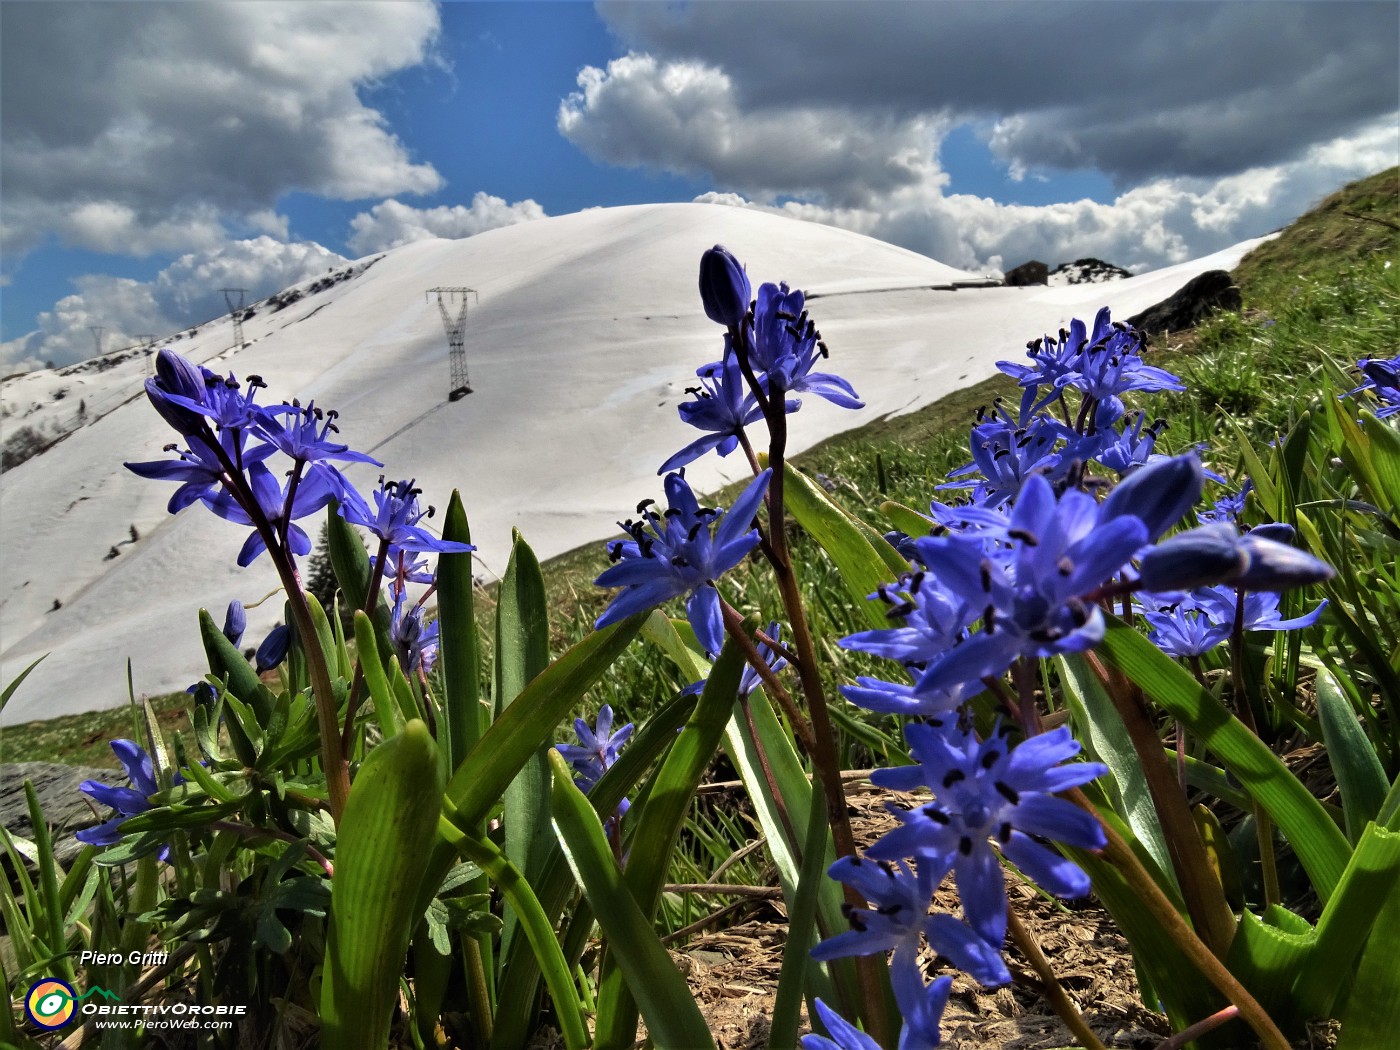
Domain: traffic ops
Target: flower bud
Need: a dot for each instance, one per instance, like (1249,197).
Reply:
(175,375)
(273,649)
(1276,566)
(1158,494)
(724,287)
(235,622)
(1200,557)
(1277,531)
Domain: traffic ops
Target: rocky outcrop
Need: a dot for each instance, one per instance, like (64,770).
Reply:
(1028,273)
(1202,296)
(65,808)
(1086,271)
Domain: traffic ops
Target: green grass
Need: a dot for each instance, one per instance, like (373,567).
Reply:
(1320,290)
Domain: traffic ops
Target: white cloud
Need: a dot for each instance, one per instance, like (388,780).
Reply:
(391,223)
(139,128)
(1161,222)
(1139,91)
(687,116)
(185,292)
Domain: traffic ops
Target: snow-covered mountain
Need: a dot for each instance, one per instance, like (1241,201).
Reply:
(587,331)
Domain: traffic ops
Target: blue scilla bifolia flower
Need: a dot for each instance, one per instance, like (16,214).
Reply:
(395,520)
(985,792)
(784,345)
(1381,376)
(681,552)
(127,801)
(1033,603)
(597,748)
(722,408)
(1217,553)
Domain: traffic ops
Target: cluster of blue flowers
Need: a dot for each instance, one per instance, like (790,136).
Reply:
(229,438)
(1381,376)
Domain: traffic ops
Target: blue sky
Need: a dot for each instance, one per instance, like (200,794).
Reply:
(155,152)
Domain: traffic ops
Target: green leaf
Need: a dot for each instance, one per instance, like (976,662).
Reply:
(797,951)
(673,1019)
(1385,456)
(658,824)
(863,567)
(389,823)
(350,562)
(1360,777)
(522,653)
(906,520)
(1099,726)
(1321,847)
(1371,1016)
(386,708)
(457,639)
(529,722)
(227,664)
(15,684)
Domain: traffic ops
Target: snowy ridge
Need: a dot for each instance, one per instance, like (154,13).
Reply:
(588,330)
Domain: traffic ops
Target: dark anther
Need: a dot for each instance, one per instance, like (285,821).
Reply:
(679,561)
(1064,566)
(614,551)
(672,512)
(1001,452)
(965,846)
(694,530)
(1078,613)
(172,447)
(822,349)
(1007,793)
(1004,833)
(1025,536)
(990,759)
(899,611)
(953,776)
(935,814)
(642,506)
(985,570)
(783,315)
(916,582)
(890,909)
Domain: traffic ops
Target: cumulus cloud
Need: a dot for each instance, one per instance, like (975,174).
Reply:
(1138,91)
(1160,222)
(163,127)
(1185,108)
(185,292)
(687,116)
(391,223)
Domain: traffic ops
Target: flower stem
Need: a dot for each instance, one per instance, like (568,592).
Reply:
(1054,991)
(1120,855)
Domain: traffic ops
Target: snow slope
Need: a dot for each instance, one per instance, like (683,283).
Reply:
(588,330)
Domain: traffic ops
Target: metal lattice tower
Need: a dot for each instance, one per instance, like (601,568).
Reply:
(147,343)
(97,331)
(456,326)
(236,312)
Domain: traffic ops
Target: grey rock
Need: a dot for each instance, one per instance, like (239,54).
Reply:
(1028,273)
(65,808)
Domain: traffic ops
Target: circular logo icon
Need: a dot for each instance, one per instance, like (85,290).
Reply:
(50,1003)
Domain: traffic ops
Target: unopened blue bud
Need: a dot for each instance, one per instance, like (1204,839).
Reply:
(235,622)
(1158,494)
(1276,566)
(1276,531)
(273,649)
(724,287)
(1200,557)
(175,375)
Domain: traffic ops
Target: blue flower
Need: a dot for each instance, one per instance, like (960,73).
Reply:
(921,1007)
(415,643)
(199,469)
(1217,553)
(1184,630)
(1006,452)
(1382,377)
(226,401)
(307,437)
(597,748)
(395,521)
(784,344)
(127,801)
(1228,508)
(749,680)
(842,1035)
(985,791)
(722,407)
(175,385)
(314,490)
(1261,612)
(1031,604)
(897,918)
(676,553)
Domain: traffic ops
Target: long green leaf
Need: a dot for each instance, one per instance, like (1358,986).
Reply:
(674,1022)
(1101,728)
(797,952)
(658,827)
(522,652)
(227,664)
(1371,1016)
(1360,777)
(386,708)
(457,638)
(1321,847)
(863,569)
(389,823)
(9,690)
